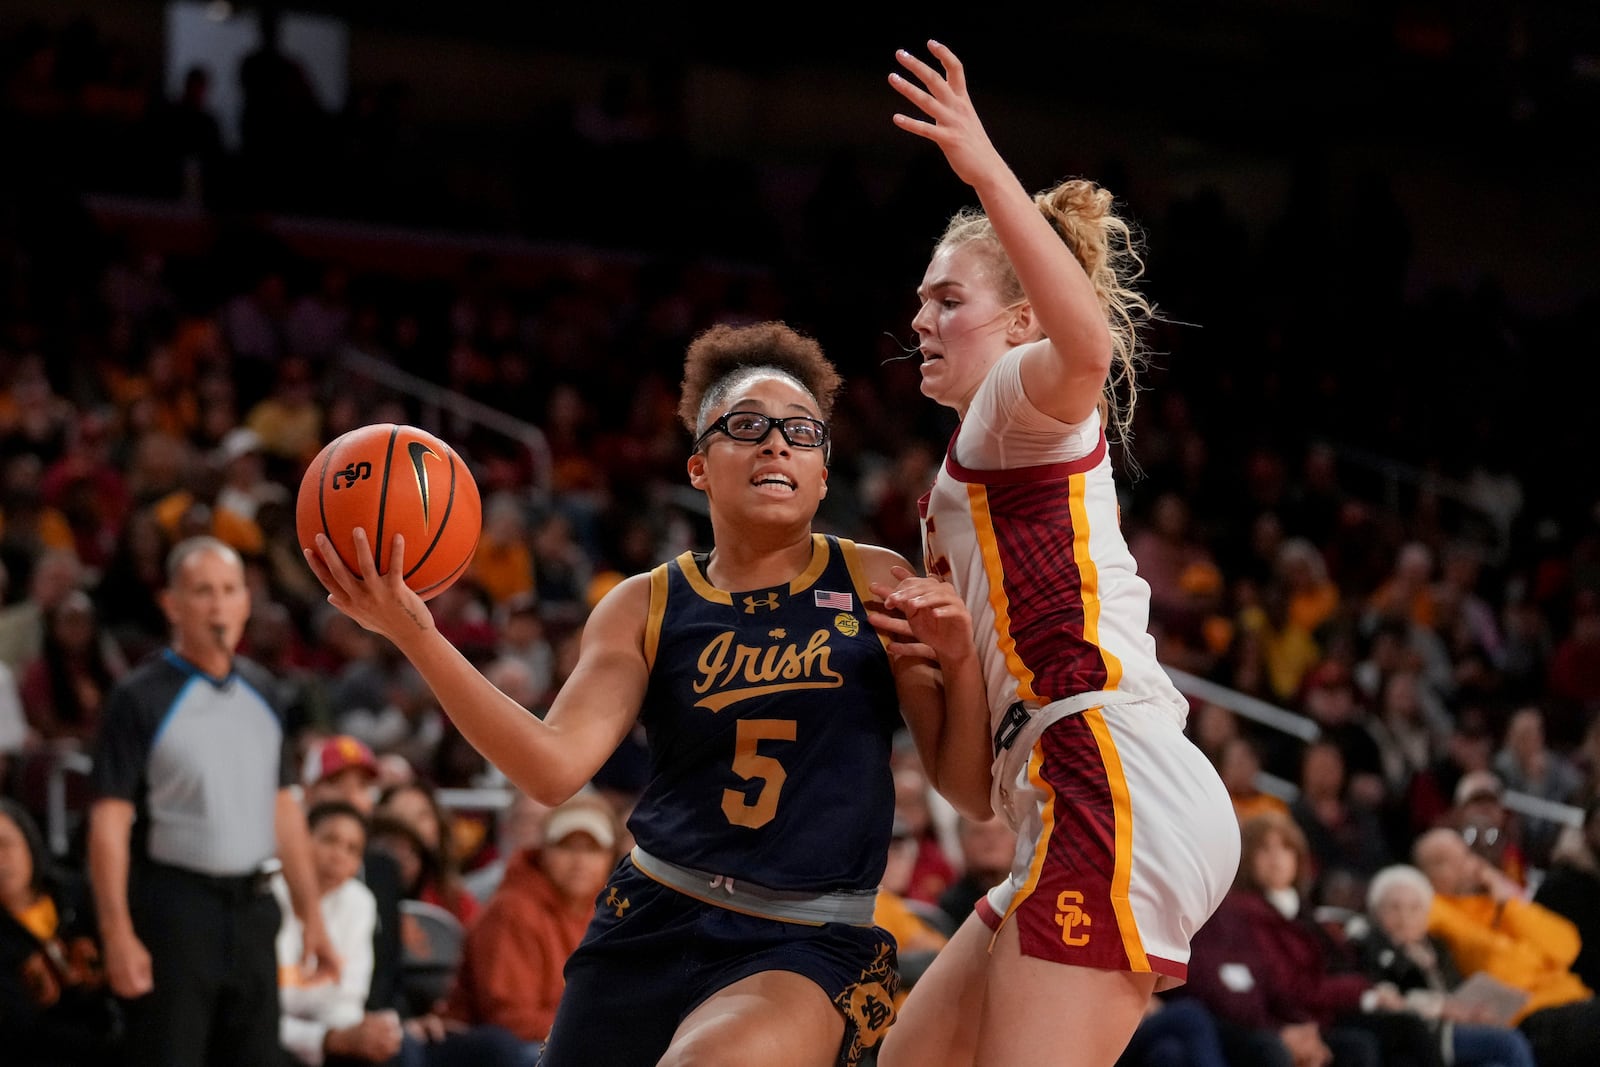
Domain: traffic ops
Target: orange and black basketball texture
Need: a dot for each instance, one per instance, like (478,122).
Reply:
(389,478)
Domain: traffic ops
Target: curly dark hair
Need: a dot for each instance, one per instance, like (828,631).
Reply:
(723,357)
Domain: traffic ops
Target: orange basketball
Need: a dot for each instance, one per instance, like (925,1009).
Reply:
(389,479)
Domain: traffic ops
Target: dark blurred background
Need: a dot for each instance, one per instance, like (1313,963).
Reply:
(1371,227)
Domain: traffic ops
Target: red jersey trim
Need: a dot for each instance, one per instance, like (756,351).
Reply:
(1013,475)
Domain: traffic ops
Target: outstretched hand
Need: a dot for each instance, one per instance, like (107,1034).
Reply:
(922,617)
(382,603)
(954,127)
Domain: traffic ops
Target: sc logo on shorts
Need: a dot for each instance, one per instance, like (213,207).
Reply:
(1070,916)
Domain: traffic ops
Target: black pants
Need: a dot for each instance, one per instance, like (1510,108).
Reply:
(1564,1036)
(215,971)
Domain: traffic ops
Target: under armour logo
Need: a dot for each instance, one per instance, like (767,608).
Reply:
(770,602)
(613,901)
(1070,915)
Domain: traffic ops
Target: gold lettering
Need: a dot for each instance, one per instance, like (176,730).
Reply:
(1070,915)
(713,659)
(732,672)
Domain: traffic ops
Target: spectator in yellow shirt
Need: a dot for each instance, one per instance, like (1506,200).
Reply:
(1481,914)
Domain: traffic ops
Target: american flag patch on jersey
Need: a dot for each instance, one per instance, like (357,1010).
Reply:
(837,601)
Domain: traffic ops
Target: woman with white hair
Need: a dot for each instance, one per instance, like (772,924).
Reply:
(1396,948)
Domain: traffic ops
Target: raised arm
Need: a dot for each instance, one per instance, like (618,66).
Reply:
(551,758)
(1065,374)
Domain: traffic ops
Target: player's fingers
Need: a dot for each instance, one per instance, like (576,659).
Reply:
(900,573)
(954,72)
(924,101)
(912,649)
(365,563)
(397,560)
(338,577)
(926,130)
(929,77)
(893,624)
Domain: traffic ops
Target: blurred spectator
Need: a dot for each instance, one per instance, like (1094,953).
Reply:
(518,826)
(28,526)
(1489,828)
(511,967)
(1240,769)
(272,640)
(1275,655)
(1311,595)
(462,615)
(89,489)
(23,624)
(243,490)
(343,769)
(187,151)
(55,1009)
(1331,699)
(1166,546)
(931,870)
(561,569)
(1343,833)
(1396,947)
(916,927)
(987,849)
(1480,914)
(319,320)
(288,419)
(328,1019)
(502,566)
(1527,764)
(13,727)
(1574,672)
(64,688)
(434,874)
(1571,888)
(1273,977)
(128,592)
(1407,592)
(523,638)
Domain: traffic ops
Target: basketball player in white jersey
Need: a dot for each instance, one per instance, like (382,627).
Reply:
(1029,329)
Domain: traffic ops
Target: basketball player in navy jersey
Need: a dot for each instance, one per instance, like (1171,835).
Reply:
(740,929)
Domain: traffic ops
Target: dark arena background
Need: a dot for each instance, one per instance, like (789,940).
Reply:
(1364,447)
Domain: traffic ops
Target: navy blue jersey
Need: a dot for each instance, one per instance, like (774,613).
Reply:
(770,714)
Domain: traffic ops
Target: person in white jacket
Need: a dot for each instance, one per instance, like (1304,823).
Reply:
(322,1019)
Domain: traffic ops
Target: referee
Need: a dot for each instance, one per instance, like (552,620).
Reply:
(192,814)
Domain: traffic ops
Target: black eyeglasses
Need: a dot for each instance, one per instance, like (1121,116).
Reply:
(801,431)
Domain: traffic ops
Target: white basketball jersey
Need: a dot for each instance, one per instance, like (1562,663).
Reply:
(1023,519)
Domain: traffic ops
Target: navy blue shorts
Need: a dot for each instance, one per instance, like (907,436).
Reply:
(652,955)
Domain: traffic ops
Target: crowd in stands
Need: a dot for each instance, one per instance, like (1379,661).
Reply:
(1442,633)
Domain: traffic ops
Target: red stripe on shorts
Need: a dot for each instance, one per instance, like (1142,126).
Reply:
(1068,914)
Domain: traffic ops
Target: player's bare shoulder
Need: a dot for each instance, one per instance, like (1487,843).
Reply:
(879,562)
(622,613)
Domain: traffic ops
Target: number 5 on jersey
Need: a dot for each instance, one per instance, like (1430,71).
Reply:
(749,763)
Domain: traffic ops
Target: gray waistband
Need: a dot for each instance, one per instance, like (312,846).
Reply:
(813,909)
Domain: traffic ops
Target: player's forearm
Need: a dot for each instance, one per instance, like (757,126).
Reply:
(962,766)
(1062,296)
